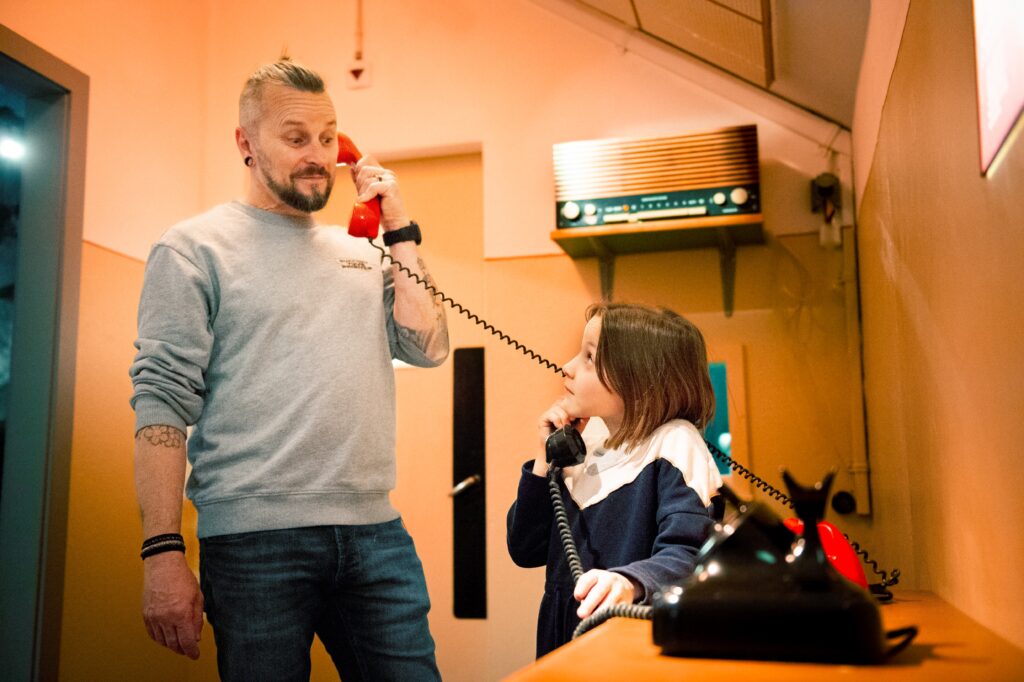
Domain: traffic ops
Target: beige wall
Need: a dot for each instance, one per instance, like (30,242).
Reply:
(102,634)
(942,286)
(146,68)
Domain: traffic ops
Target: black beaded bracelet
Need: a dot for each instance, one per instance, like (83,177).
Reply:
(161,547)
(148,542)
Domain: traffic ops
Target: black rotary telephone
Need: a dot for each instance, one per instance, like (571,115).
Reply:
(789,608)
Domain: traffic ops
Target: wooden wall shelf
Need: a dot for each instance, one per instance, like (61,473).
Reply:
(722,232)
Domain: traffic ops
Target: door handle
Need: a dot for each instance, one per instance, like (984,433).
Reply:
(464,485)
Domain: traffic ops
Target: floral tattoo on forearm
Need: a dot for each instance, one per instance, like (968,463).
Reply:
(426,273)
(438,309)
(167,436)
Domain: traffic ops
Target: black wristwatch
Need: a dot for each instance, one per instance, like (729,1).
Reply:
(409,233)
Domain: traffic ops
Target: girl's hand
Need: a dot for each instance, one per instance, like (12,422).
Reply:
(555,418)
(596,589)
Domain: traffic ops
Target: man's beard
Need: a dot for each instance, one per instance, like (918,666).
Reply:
(291,195)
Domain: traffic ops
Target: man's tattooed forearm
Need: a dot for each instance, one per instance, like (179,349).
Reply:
(167,436)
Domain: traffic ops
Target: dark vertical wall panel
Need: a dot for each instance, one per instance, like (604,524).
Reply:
(470,503)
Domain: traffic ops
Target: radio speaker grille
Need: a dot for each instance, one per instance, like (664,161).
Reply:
(612,168)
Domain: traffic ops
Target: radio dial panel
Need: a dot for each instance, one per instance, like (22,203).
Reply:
(663,206)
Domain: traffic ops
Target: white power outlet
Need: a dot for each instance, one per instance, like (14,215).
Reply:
(358,74)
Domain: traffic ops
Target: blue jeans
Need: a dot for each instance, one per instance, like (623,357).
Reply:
(359,588)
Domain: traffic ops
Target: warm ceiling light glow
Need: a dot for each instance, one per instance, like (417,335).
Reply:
(11,148)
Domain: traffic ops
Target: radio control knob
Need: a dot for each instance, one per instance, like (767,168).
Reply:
(739,196)
(718,198)
(589,209)
(570,210)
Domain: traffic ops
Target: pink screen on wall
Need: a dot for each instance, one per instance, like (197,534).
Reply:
(999,60)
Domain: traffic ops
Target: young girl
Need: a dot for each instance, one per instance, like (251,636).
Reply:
(642,496)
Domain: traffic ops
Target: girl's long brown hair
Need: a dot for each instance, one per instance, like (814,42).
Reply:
(656,360)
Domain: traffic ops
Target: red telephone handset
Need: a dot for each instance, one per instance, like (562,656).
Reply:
(365,220)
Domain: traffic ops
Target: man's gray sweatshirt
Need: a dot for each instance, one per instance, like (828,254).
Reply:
(274,336)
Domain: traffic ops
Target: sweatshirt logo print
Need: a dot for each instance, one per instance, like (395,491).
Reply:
(354,263)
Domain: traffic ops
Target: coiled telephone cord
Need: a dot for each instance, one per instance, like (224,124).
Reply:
(459,308)
(572,557)
(880,590)
(638,611)
(889,578)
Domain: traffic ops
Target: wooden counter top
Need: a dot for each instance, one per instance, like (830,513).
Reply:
(949,646)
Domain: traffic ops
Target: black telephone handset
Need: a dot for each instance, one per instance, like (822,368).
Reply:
(565,447)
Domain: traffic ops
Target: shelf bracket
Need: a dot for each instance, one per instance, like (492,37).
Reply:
(727,265)
(606,268)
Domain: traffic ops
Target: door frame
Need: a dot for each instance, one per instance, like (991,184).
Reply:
(37,459)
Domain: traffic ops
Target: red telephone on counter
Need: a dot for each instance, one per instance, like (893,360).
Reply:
(838,551)
(365,220)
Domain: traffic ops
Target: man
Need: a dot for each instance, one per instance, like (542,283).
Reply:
(274,337)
